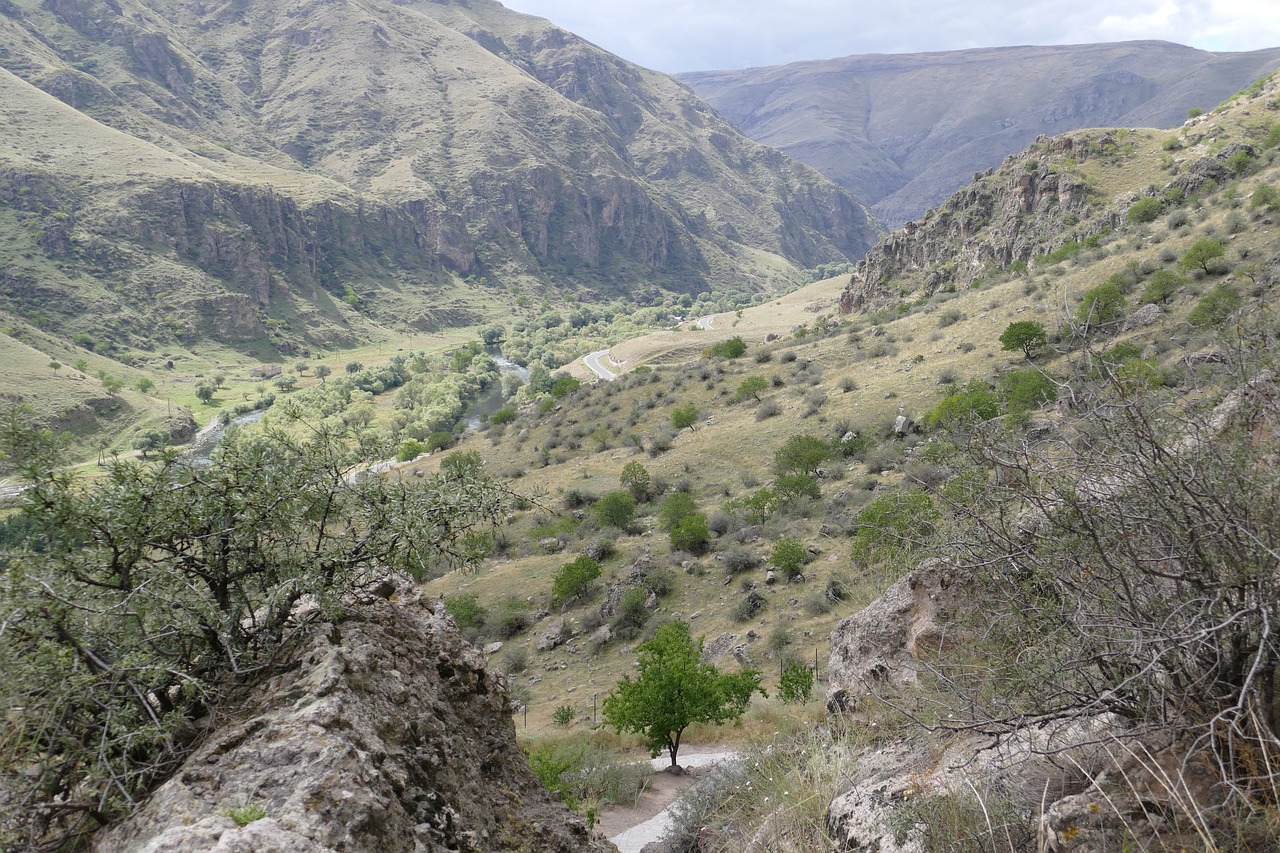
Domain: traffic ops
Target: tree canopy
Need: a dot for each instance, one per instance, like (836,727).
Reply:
(1026,335)
(675,689)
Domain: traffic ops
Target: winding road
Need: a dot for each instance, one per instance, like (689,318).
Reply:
(592,361)
(704,323)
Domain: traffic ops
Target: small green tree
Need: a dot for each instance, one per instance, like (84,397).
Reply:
(684,415)
(1101,305)
(205,392)
(1215,307)
(635,479)
(616,509)
(354,367)
(751,388)
(321,371)
(802,454)
(960,409)
(1161,287)
(690,534)
(145,385)
(732,348)
(796,684)
(285,382)
(1026,335)
(562,716)
(55,365)
(465,609)
(789,556)
(677,506)
(150,439)
(675,689)
(1144,210)
(573,580)
(1201,254)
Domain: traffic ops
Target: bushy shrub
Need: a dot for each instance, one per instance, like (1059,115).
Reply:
(789,556)
(616,509)
(1144,210)
(972,404)
(1101,305)
(690,534)
(732,348)
(796,684)
(1215,307)
(893,525)
(635,478)
(1023,390)
(465,609)
(1161,287)
(574,579)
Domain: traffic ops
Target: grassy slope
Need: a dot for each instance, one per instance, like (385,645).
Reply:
(729,446)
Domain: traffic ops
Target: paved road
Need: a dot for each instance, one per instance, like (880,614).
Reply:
(635,838)
(592,361)
(704,323)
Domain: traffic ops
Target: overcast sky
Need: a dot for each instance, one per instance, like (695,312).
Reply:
(697,35)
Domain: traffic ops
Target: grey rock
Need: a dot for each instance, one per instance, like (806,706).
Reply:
(493,648)
(556,634)
(1144,316)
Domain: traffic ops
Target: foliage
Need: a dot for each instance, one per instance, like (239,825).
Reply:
(1101,305)
(894,526)
(1201,255)
(633,613)
(675,508)
(635,478)
(1161,287)
(690,534)
(410,449)
(1145,210)
(584,774)
(732,348)
(616,509)
(462,466)
(802,454)
(562,716)
(675,689)
(245,815)
(502,416)
(796,684)
(684,415)
(796,484)
(973,403)
(1024,390)
(1266,197)
(564,386)
(1216,306)
(466,610)
(1026,335)
(789,556)
(189,606)
(572,580)
(750,389)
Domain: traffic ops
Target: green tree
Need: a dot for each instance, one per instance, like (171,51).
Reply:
(205,392)
(635,479)
(684,415)
(1145,210)
(285,382)
(674,689)
(971,404)
(751,388)
(1215,307)
(192,575)
(55,365)
(690,534)
(145,385)
(1201,254)
(1101,305)
(1161,287)
(616,509)
(573,580)
(1024,390)
(732,348)
(789,556)
(466,610)
(676,507)
(802,454)
(354,367)
(113,384)
(1026,335)
(321,371)
(150,439)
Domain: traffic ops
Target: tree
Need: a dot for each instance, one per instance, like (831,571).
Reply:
(1201,254)
(789,556)
(732,348)
(150,439)
(1026,335)
(113,384)
(635,478)
(55,365)
(285,382)
(616,509)
(796,684)
(1101,305)
(751,388)
(1145,210)
(690,534)
(676,507)
(145,385)
(205,392)
(675,689)
(192,574)
(573,579)
(684,415)
(354,367)
(321,371)
(802,454)
(973,403)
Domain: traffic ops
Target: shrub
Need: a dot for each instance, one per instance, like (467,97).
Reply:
(1266,197)
(1215,307)
(465,609)
(732,348)
(796,684)
(767,409)
(949,318)
(789,556)
(1161,286)
(1023,390)
(616,509)
(562,716)
(676,507)
(801,454)
(684,415)
(502,416)
(795,485)
(410,449)
(750,389)
(972,404)
(690,534)
(635,478)
(1201,255)
(893,526)
(1145,210)
(573,580)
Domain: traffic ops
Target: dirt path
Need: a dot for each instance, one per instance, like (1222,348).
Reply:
(632,827)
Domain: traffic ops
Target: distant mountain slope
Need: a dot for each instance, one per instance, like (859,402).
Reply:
(903,132)
(223,169)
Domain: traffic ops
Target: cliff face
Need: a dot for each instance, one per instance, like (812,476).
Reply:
(389,734)
(1030,206)
(261,153)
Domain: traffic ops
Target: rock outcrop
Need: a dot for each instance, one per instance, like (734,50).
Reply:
(882,644)
(388,734)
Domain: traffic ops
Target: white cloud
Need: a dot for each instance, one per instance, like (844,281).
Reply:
(682,35)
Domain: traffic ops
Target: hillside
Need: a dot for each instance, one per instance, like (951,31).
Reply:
(903,132)
(278,181)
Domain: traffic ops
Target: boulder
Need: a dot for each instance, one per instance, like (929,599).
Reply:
(883,643)
(613,595)
(557,633)
(1144,316)
(387,733)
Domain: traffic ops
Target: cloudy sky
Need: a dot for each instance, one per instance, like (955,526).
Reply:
(695,35)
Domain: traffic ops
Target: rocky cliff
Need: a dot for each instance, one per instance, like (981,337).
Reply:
(388,733)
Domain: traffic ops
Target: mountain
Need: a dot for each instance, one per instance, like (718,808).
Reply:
(279,177)
(903,132)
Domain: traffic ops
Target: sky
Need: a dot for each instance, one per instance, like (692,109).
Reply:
(700,35)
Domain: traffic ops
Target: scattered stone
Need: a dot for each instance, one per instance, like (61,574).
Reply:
(1144,316)
(493,648)
(557,633)
(550,545)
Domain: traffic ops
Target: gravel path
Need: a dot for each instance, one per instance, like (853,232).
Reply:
(635,838)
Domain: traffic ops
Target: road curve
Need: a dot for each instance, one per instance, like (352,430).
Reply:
(635,838)
(704,323)
(592,361)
